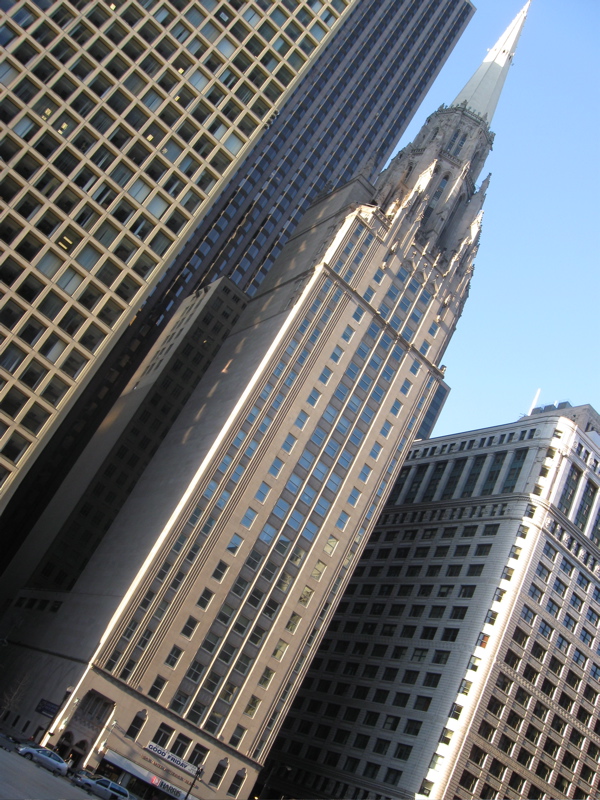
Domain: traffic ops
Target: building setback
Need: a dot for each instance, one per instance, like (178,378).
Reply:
(67,533)
(462,661)
(195,617)
(126,125)
(113,149)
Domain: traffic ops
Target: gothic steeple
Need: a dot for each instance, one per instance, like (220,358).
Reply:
(436,174)
(482,92)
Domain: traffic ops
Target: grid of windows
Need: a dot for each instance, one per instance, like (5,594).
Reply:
(120,123)
(545,704)
(176,367)
(288,522)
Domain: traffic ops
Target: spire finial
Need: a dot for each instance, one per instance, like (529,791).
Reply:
(482,92)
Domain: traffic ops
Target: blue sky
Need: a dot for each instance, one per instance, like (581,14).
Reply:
(532,317)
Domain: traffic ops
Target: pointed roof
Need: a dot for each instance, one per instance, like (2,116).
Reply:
(482,92)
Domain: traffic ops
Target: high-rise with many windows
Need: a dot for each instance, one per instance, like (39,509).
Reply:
(463,659)
(190,621)
(125,124)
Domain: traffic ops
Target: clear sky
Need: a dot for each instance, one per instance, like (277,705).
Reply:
(531,321)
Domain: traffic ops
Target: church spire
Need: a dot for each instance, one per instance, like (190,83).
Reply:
(482,92)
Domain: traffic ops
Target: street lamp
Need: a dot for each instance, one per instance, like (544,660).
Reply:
(198,774)
(104,745)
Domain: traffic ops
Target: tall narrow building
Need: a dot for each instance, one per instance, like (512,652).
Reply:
(130,125)
(463,659)
(192,619)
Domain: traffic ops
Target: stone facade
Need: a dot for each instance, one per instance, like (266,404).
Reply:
(462,660)
(197,614)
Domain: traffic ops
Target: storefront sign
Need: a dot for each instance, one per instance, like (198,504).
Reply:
(47,708)
(171,758)
(145,775)
(166,787)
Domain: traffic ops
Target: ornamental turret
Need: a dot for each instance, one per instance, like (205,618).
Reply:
(435,176)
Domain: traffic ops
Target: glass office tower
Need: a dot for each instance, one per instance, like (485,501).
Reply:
(132,128)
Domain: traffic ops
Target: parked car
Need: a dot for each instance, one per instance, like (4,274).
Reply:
(7,742)
(81,775)
(45,758)
(102,787)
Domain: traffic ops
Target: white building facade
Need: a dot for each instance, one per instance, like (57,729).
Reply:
(463,659)
(194,619)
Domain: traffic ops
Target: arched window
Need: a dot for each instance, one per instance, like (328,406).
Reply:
(236,783)
(136,725)
(459,146)
(436,198)
(217,775)
(455,136)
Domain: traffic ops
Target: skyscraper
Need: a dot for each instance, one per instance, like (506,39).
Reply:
(125,128)
(193,619)
(463,658)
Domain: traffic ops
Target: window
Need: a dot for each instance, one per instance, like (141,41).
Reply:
(586,637)
(593,616)
(512,659)
(220,570)
(248,518)
(503,682)
(494,706)
(549,551)
(162,735)
(252,706)
(189,627)
(337,354)
(419,654)
(528,614)
(211,642)
(288,443)
(219,771)
(392,776)
(136,725)
(450,634)
(173,657)
(467,780)
(422,703)
(179,702)
(506,744)
(205,598)
(583,581)
(486,730)
(313,397)
(306,596)
(156,688)
(194,671)
(569,622)
(275,467)
(576,602)
(542,572)
(279,651)
(237,736)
